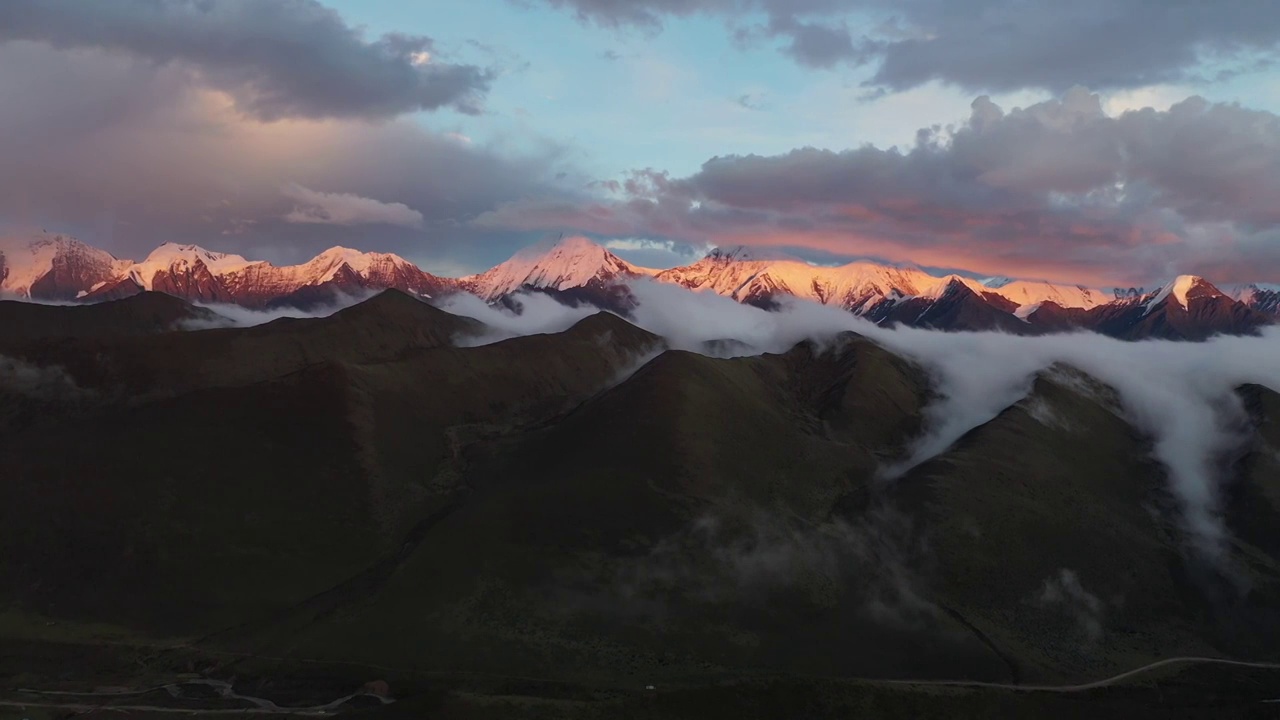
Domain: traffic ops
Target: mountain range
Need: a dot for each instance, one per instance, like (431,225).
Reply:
(587,524)
(58,268)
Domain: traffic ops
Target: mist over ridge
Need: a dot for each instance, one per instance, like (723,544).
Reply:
(1180,393)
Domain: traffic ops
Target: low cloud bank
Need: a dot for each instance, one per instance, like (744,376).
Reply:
(228,315)
(40,383)
(1180,393)
(537,314)
(747,556)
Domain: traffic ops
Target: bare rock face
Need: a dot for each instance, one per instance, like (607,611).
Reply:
(70,272)
(113,290)
(191,282)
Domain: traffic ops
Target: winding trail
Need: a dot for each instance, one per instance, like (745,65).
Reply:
(1096,684)
(267,707)
(261,706)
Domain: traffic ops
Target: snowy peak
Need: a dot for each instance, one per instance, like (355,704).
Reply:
(50,266)
(54,267)
(571,263)
(175,259)
(357,259)
(1026,293)
(748,273)
(749,277)
(949,286)
(1182,291)
(173,252)
(1189,287)
(328,264)
(194,273)
(1260,296)
(1245,292)
(857,286)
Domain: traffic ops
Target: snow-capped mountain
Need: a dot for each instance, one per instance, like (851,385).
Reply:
(860,287)
(1182,291)
(56,267)
(170,259)
(194,273)
(1187,308)
(747,275)
(577,270)
(574,262)
(53,267)
(1261,297)
(1029,295)
(335,270)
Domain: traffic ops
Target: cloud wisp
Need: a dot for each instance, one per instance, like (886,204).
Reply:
(228,315)
(538,314)
(323,208)
(1067,595)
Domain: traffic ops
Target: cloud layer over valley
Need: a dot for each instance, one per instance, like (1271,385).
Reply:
(1181,394)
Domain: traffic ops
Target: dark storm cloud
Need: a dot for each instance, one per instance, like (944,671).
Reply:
(1059,189)
(128,154)
(986,45)
(277,58)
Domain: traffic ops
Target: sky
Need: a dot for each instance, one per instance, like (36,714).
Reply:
(1100,142)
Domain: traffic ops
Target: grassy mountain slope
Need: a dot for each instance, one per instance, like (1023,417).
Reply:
(375,490)
(1055,534)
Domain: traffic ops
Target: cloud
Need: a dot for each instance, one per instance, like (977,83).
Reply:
(127,154)
(276,58)
(49,384)
(1058,190)
(227,315)
(1002,46)
(31,394)
(751,101)
(745,556)
(346,209)
(538,313)
(1065,593)
(1182,395)
(656,253)
(814,44)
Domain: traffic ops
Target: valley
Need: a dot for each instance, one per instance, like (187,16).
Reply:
(384,494)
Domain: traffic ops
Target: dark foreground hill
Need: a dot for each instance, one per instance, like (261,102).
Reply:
(547,525)
(145,314)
